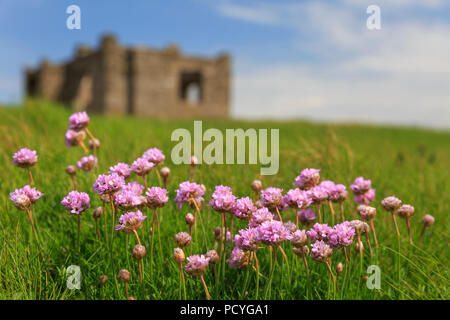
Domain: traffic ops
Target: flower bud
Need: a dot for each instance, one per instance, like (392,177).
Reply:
(178,255)
(428,220)
(257,185)
(131,298)
(359,245)
(190,219)
(102,280)
(94,144)
(339,268)
(139,252)
(97,213)
(213,256)
(258,204)
(124,275)
(183,239)
(165,172)
(71,170)
(194,161)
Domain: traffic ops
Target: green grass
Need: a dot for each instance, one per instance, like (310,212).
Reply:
(413,164)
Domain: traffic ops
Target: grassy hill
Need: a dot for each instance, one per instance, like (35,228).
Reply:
(413,164)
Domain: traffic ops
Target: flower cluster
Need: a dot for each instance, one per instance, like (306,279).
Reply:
(154,155)
(25,158)
(130,221)
(244,208)
(79,121)
(223,200)
(197,265)
(76,202)
(87,163)
(142,166)
(25,197)
(272,232)
(307,179)
(260,216)
(121,169)
(319,232)
(271,197)
(238,259)
(247,239)
(156,197)
(341,235)
(320,251)
(298,199)
(108,184)
(189,192)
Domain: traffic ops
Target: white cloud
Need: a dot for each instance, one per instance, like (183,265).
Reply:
(399,74)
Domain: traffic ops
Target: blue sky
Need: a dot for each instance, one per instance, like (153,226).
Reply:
(291,59)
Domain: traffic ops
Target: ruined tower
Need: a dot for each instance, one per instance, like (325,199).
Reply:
(142,81)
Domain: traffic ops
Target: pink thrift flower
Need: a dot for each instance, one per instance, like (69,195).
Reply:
(319,195)
(25,197)
(189,192)
(366,212)
(108,184)
(183,239)
(197,265)
(319,232)
(307,179)
(360,186)
(133,187)
(142,166)
(25,158)
(299,238)
(130,221)
(76,202)
(122,169)
(87,163)
(154,155)
(391,203)
(244,208)
(78,121)
(223,199)
(365,198)
(156,197)
(128,200)
(260,216)
(291,226)
(271,197)
(341,235)
(428,220)
(306,216)
(338,193)
(73,138)
(406,211)
(320,251)
(298,199)
(272,232)
(246,239)
(238,259)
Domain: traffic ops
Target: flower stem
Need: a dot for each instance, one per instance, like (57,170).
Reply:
(182,280)
(206,288)
(30,176)
(409,230)
(395,223)
(372,226)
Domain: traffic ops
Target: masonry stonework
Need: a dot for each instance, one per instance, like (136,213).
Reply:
(140,81)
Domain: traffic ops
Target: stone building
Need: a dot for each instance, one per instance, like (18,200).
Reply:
(142,81)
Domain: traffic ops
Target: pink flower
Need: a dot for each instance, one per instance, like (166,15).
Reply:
(238,259)
(260,216)
(428,220)
(182,239)
(223,199)
(291,226)
(298,199)
(76,202)
(87,163)
(307,179)
(246,239)
(154,155)
(122,169)
(142,166)
(156,197)
(320,251)
(133,187)
(406,211)
(130,221)
(78,121)
(271,197)
(272,232)
(73,138)
(365,198)
(306,216)
(25,197)
(366,212)
(339,193)
(244,208)
(189,192)
(25,158)
(128,200)
(299,238)
(360,186)
(107,184)
(197,265)
(328,185)
(319,232)
(341,235)
(391,203)
(319,195)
